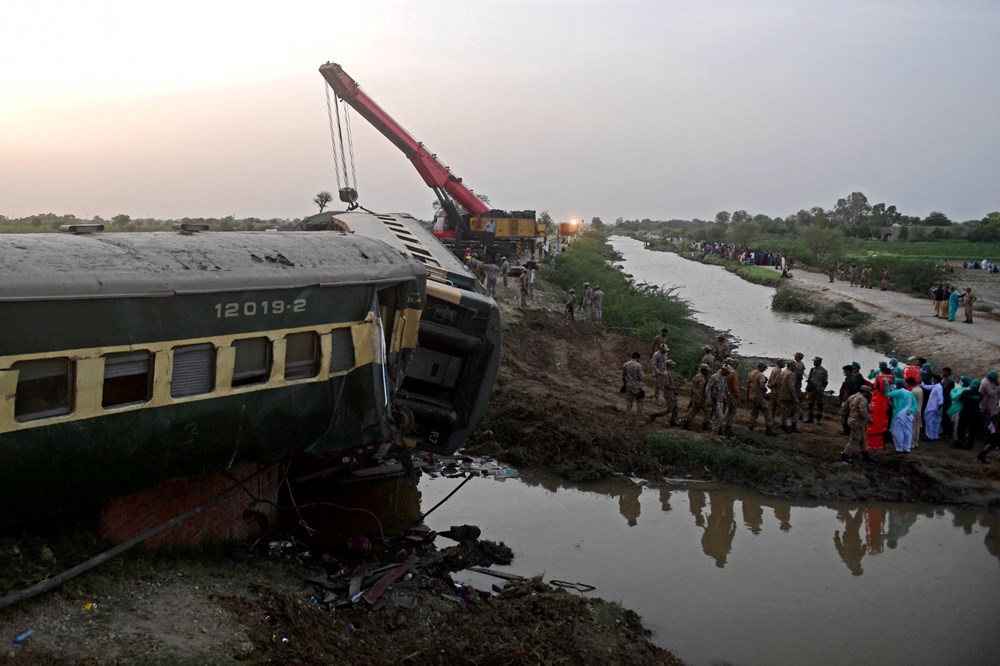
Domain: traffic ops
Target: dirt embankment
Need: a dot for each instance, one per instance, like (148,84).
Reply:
(968,349)
(557,406)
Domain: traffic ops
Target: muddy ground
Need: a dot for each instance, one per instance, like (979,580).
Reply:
(556,406)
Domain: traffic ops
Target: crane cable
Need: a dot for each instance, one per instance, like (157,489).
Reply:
(333,135)
(350,144)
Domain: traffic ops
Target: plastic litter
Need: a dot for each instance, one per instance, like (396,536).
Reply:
(23,636)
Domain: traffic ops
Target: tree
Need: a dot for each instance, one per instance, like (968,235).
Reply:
(744,232)
(595,223)
(740,216)
(821,242)
(937,219)
(852,209)
(544,220)
(904,233)
(988,230)
(461,209)
(322,199)
(121,220)
(722,217)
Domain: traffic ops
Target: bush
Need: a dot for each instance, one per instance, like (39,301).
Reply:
(788,300)
(874,337)
(839,315)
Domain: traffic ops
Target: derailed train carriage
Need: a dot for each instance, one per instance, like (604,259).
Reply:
(449,381)
(127,360)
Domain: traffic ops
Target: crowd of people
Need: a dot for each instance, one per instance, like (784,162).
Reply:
(898,404)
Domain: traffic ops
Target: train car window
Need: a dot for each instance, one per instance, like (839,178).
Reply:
(342,357)
(194,370)
(301,355)
(128,379)
(44,388)
(253,361)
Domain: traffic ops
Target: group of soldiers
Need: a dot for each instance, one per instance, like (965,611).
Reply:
(716,393)
(866,278)
(591,303)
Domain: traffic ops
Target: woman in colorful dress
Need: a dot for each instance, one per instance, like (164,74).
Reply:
(881,407)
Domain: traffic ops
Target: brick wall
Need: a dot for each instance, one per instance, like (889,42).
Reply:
(237,517)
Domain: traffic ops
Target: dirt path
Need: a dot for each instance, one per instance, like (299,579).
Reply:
(972,349)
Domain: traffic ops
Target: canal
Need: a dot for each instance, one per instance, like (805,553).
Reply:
(721,575)
(724,576)
(724,301)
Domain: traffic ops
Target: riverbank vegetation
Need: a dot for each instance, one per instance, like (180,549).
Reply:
(837,315)
(641,309)
(723,463)
(852,231)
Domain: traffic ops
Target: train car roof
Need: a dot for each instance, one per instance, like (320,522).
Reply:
(403,231)
(45,266)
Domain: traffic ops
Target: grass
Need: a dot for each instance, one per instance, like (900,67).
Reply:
(939,249)
(723,463)
(759,275)
(640,308)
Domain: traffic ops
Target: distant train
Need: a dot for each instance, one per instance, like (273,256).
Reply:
(128,359)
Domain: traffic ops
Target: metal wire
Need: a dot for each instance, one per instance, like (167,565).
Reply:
(340,135)
(333,136)
(350,145)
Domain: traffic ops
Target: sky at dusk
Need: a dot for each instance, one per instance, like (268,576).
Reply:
(614,108)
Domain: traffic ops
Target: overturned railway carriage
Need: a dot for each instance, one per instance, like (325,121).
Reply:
(449,381)
(130,359)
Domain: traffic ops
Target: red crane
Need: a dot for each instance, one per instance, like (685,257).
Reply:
(446,185)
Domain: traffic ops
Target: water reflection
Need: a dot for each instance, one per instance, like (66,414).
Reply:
(680,554)
(868,530)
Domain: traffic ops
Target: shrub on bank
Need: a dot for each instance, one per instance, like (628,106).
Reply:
(640,308)
(875,338)
(839,315)
(788,300)
(759,275)
(723,463)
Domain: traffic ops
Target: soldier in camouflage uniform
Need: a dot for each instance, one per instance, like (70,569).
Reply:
(855,411)
(721,350)
(697,404)
(816,389)
(661,339)
(632,380)
(716,396)
(671,382)
(732,395)
(707,358)
(756,392)
(799,368)
(773,385)
(788,400)
(659,370)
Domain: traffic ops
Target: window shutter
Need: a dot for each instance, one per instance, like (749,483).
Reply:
(126,365)
(342,357)
(194,370)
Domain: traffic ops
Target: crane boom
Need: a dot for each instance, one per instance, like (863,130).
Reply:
(435,174)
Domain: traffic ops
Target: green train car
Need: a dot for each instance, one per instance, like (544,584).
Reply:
(129,359)
(454,367)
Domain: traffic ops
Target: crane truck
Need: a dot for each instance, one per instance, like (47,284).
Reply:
(492,231)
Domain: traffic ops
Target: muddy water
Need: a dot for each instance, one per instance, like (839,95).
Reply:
(724,576)
(723,301)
